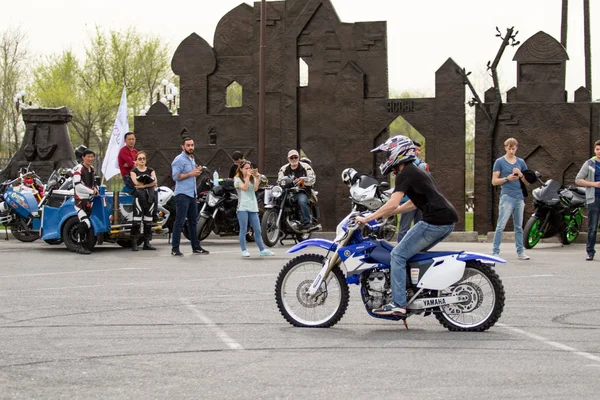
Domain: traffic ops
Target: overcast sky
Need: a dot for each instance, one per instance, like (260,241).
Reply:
(422,34)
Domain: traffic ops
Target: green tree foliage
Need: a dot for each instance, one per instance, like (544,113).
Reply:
(233,95)
(400,127)
(92,88)
(13,58)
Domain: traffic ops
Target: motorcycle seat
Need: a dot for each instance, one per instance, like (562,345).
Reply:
(577,189)
(427,255)
(577,200)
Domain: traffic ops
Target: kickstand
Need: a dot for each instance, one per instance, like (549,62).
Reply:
(6,233)
(405,324)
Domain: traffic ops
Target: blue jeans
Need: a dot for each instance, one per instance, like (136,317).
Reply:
(593,216)
(185,206)
(128,186)
(302,200)
(243,217)
(509,206)
(421,237)
(406,219)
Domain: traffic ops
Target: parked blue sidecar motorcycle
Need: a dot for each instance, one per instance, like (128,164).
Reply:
(111,219)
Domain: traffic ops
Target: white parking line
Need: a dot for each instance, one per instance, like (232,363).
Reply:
(71,272)
(552,343)
(138,283)
(529,276)
(221,334)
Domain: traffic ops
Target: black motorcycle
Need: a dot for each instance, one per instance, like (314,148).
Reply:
(218,212)
(282,217)
(557,211)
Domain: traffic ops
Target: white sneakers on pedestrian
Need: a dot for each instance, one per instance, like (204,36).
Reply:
(245,253)
(523,256)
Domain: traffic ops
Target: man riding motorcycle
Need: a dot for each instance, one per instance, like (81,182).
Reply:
(300,171)
(438,220)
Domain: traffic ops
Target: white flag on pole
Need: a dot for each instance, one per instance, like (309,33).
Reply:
(110,164)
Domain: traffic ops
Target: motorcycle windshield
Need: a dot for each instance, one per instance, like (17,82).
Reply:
(549,193)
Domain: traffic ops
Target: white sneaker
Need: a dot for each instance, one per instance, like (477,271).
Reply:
(523,256)
(245,253)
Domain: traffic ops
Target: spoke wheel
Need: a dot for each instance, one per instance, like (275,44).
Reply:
(269,228)
(322,310)
(485,300)
(533,232)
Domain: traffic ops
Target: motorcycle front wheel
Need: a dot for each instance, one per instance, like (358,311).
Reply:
(533,232)
(22,231)
(269,228)
(325,308)
(485,303)
(204,227)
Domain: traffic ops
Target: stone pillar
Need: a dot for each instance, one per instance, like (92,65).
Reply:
(46,145)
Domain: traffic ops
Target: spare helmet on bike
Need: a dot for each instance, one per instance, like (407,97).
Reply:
(399,150)
(79,152)
(348,176)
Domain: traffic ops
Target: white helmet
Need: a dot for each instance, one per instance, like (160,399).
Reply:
(348,176)
(400,150)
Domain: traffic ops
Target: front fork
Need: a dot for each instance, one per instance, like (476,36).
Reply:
(328,266)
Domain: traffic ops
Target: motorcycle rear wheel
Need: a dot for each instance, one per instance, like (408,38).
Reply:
(485,305)
(533,232)
(270,231)
(328,305)
(572,228)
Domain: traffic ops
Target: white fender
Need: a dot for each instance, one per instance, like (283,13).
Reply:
(443,272)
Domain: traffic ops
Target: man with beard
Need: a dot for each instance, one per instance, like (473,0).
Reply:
(184,171)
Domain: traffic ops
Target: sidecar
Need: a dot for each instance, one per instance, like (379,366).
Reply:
(111,220)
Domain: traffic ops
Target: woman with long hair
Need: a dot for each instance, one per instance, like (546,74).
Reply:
(144,201)
(246,182)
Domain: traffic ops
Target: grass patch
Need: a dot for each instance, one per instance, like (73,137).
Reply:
(469,222)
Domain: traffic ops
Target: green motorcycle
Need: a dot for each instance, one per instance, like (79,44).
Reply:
(557,211)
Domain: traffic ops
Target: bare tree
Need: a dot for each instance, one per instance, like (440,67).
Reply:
(13,57)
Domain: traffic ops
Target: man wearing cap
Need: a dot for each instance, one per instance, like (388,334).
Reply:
(298,170)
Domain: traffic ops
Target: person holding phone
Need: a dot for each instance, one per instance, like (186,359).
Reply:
(507,173)
(184,171)
(246,182)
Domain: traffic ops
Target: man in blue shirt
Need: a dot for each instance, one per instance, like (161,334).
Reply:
(184,171)
(508,173)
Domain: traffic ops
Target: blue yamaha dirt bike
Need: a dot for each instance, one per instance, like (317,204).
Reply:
(460,288)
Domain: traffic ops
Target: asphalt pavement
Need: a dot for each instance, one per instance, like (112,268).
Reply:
(147,325)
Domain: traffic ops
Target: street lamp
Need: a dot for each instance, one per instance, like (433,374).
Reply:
(166,95)
(19,100)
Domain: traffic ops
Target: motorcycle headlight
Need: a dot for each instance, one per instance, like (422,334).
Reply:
(212,200)
(276,192)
